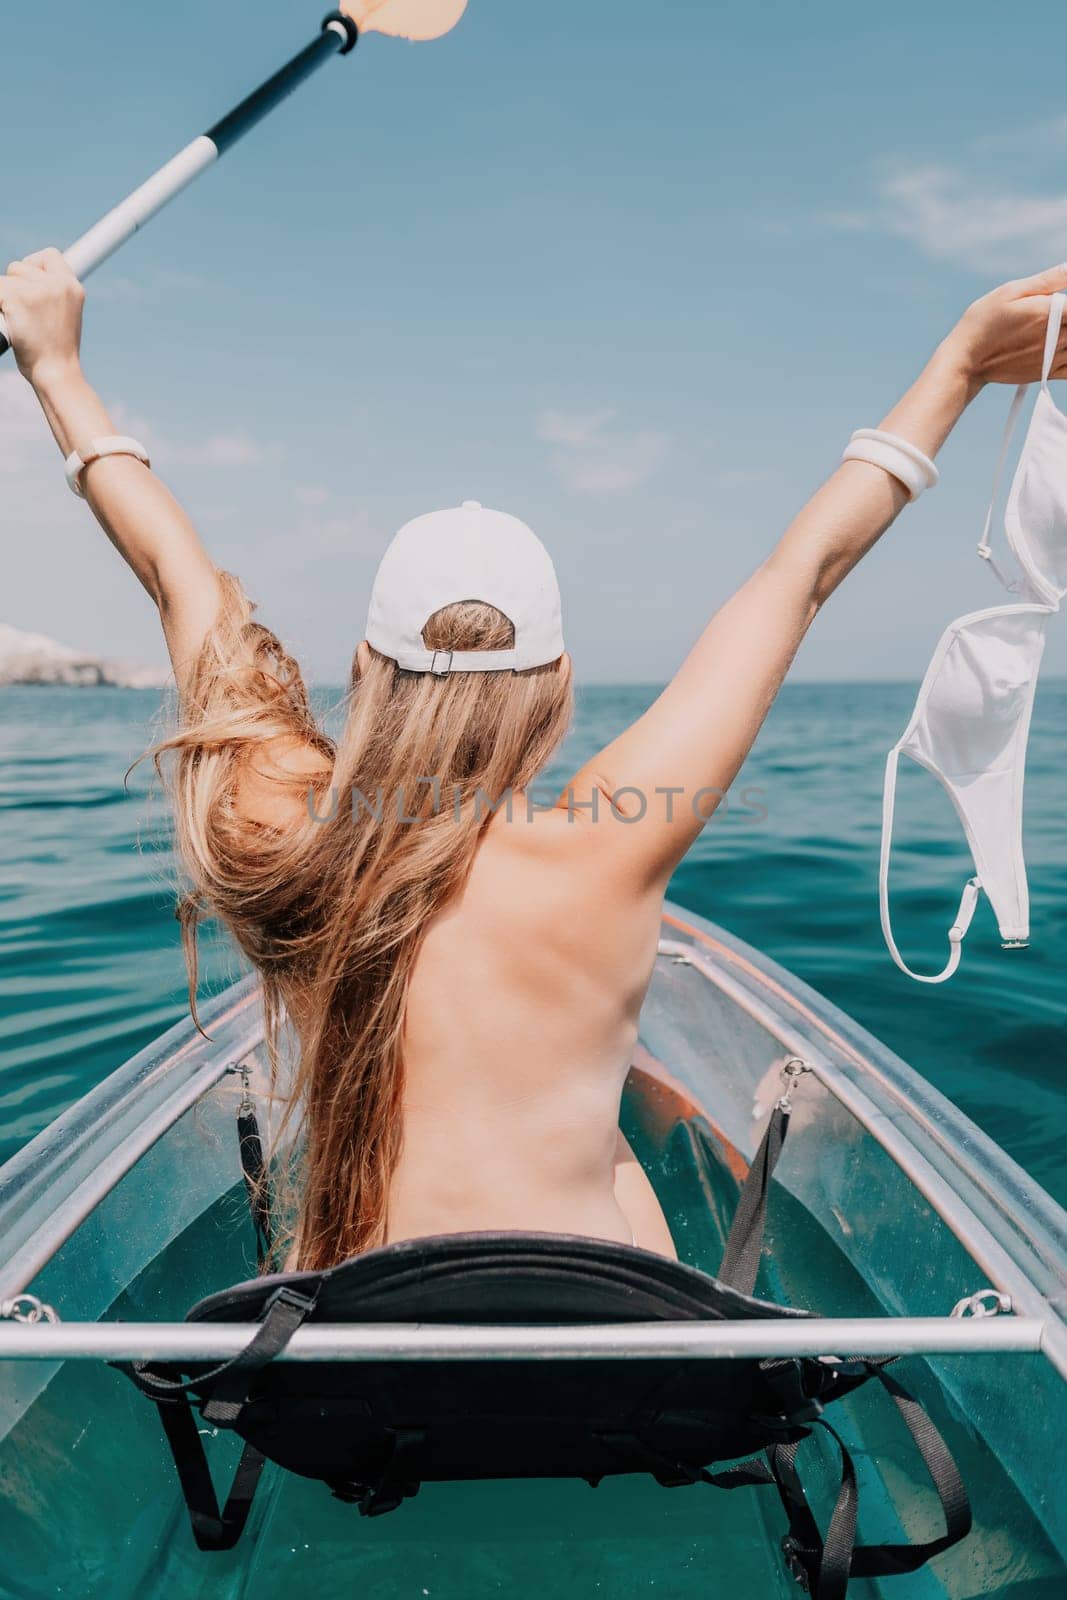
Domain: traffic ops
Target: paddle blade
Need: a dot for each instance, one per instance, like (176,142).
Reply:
(405,19)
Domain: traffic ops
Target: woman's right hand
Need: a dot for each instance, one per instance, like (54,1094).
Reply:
(1001,337)
(41,301)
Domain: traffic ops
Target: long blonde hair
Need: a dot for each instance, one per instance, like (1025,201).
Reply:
(332,906)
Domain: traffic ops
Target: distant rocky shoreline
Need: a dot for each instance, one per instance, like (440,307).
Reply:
(31,658)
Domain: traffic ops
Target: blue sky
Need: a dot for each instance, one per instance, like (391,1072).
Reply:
(636,285)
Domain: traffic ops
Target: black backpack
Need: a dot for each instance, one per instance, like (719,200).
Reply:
(374,1431)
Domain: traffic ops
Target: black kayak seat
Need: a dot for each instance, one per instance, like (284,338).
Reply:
(514,1418)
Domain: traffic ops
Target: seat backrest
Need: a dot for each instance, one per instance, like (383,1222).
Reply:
(508,1278)
(339,1420)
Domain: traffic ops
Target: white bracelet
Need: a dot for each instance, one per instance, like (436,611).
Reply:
(895,455)
(113,445)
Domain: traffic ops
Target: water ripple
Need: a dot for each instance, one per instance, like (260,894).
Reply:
(92,966)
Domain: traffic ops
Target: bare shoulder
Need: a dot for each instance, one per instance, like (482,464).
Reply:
(564,862)
(592,825)
(569,831)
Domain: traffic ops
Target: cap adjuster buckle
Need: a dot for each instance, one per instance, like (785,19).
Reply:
(441,672)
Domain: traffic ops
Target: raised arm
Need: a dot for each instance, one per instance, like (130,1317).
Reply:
(42,304)
(245,718)
(672,766)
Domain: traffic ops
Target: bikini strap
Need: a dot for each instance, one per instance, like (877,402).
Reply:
(968,900)
(1052,336)
(1013,585)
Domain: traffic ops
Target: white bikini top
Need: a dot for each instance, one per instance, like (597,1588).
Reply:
(971,719)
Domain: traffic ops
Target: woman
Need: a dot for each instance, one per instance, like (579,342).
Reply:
(465,1028)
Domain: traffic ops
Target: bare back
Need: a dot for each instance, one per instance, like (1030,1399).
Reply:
(521,1022)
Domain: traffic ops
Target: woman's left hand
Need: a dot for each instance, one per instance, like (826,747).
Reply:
(1001,337)
(42,300)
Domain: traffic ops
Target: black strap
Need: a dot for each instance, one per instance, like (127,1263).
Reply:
(399,1478)
(741,1258)
(802,1546)
(254,1169)
(945,1477)
(212,1529)
(286,1312)
(825,1566)
(634,1450)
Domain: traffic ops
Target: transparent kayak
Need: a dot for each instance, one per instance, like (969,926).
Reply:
(891,1215)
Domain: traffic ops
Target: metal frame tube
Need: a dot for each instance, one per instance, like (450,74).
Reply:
(338,36)
(186,1342)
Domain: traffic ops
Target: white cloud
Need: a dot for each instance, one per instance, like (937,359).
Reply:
(57,574)
(574,430)
(138,427)
(223,450)
(950,215)
(592,456)
(22,421)
(321,538)
(41,523)
(120,290)
(1047,137)
(25,437)
(179,280)
(974,211)
(311,494)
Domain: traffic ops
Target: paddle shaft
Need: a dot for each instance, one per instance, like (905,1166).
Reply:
(338,36)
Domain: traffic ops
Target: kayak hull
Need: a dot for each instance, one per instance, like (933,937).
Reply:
(886,1202)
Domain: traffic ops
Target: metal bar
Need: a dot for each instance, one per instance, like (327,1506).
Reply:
(338,36)
(657,1341)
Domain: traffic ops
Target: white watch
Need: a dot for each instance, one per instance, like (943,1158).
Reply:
(112,445)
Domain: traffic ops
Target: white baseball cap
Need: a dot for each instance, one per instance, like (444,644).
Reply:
(465,553)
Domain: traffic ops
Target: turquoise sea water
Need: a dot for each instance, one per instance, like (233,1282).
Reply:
(91,968)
